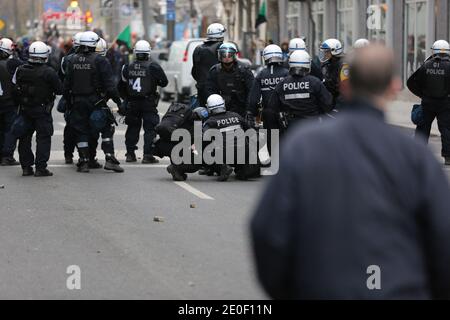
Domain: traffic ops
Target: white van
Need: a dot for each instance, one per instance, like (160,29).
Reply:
(178,67)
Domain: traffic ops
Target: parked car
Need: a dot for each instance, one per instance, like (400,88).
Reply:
(178,66)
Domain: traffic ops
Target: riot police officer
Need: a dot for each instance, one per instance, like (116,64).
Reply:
(205,57)
(141,79)
(265,82)
(8,107)
(224,121)
(431,82)
(334,69)
(299,44)
(300,95)
(88,85)
(69,137)
(231,79)
(36,85)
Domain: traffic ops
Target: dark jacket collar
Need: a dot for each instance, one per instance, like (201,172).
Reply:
(363,105)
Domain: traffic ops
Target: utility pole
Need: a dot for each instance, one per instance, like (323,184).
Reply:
(145,18)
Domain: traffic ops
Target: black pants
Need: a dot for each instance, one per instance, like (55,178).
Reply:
(41,123)
(79,121)
(70,143)
(142,113)
(202,94)
(442,113)
(7,140)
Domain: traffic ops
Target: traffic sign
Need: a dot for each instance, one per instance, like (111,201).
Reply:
(170,16)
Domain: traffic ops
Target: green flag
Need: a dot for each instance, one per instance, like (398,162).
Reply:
(125,37)
(261,15)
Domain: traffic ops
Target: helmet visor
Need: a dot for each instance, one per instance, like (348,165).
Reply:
(227,55)
(324,55)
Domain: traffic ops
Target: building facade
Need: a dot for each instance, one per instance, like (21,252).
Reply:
(408,26)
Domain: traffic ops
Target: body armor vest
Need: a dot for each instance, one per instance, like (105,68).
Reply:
(85,79)
(32,87)
(140,82)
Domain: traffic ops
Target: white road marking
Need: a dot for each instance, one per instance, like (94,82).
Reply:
(194,191)
(126,166)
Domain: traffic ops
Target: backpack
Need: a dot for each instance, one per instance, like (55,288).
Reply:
(175,118)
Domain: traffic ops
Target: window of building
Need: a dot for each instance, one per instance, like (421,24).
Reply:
(345,22)
(415,35)
(293,19)
(376,20)
(318,13)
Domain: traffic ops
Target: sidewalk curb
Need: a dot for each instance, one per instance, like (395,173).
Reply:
(432,134)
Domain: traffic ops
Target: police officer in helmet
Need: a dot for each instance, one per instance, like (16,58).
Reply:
(89,84)
(205,57)
(8,107)
(231,79)
(36,85)
(141,80)
(431,82)
(219,119)
(334,69)
(297,44)
(265,82)
(70,137)
(300,95)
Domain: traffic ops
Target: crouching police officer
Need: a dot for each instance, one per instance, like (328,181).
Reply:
(334,69)
(8,107)
(224,121)
(36,85)
(431,82)
(141,79)
(205,57)
(89,84)
(231,79)
(300,95)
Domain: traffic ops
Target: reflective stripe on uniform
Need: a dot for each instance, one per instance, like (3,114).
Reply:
(231,128)
(297,96)
(83,145)
(107,139)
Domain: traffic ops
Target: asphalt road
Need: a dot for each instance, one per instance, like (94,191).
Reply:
(104,223)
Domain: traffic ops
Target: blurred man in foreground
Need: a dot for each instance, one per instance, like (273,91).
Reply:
(358,210)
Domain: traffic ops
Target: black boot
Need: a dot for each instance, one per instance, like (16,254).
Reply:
(149,159)
(9,161)
(94,164)
(447,161)
(225,172)
(83,166)
(176,175)
(43,173)
(68,158)
(27,171)
(83,163)
(131,157)
(113,165)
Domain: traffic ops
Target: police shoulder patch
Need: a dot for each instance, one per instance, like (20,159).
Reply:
(345,72)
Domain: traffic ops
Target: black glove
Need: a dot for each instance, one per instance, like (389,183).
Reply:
(250,119)
(123,108)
